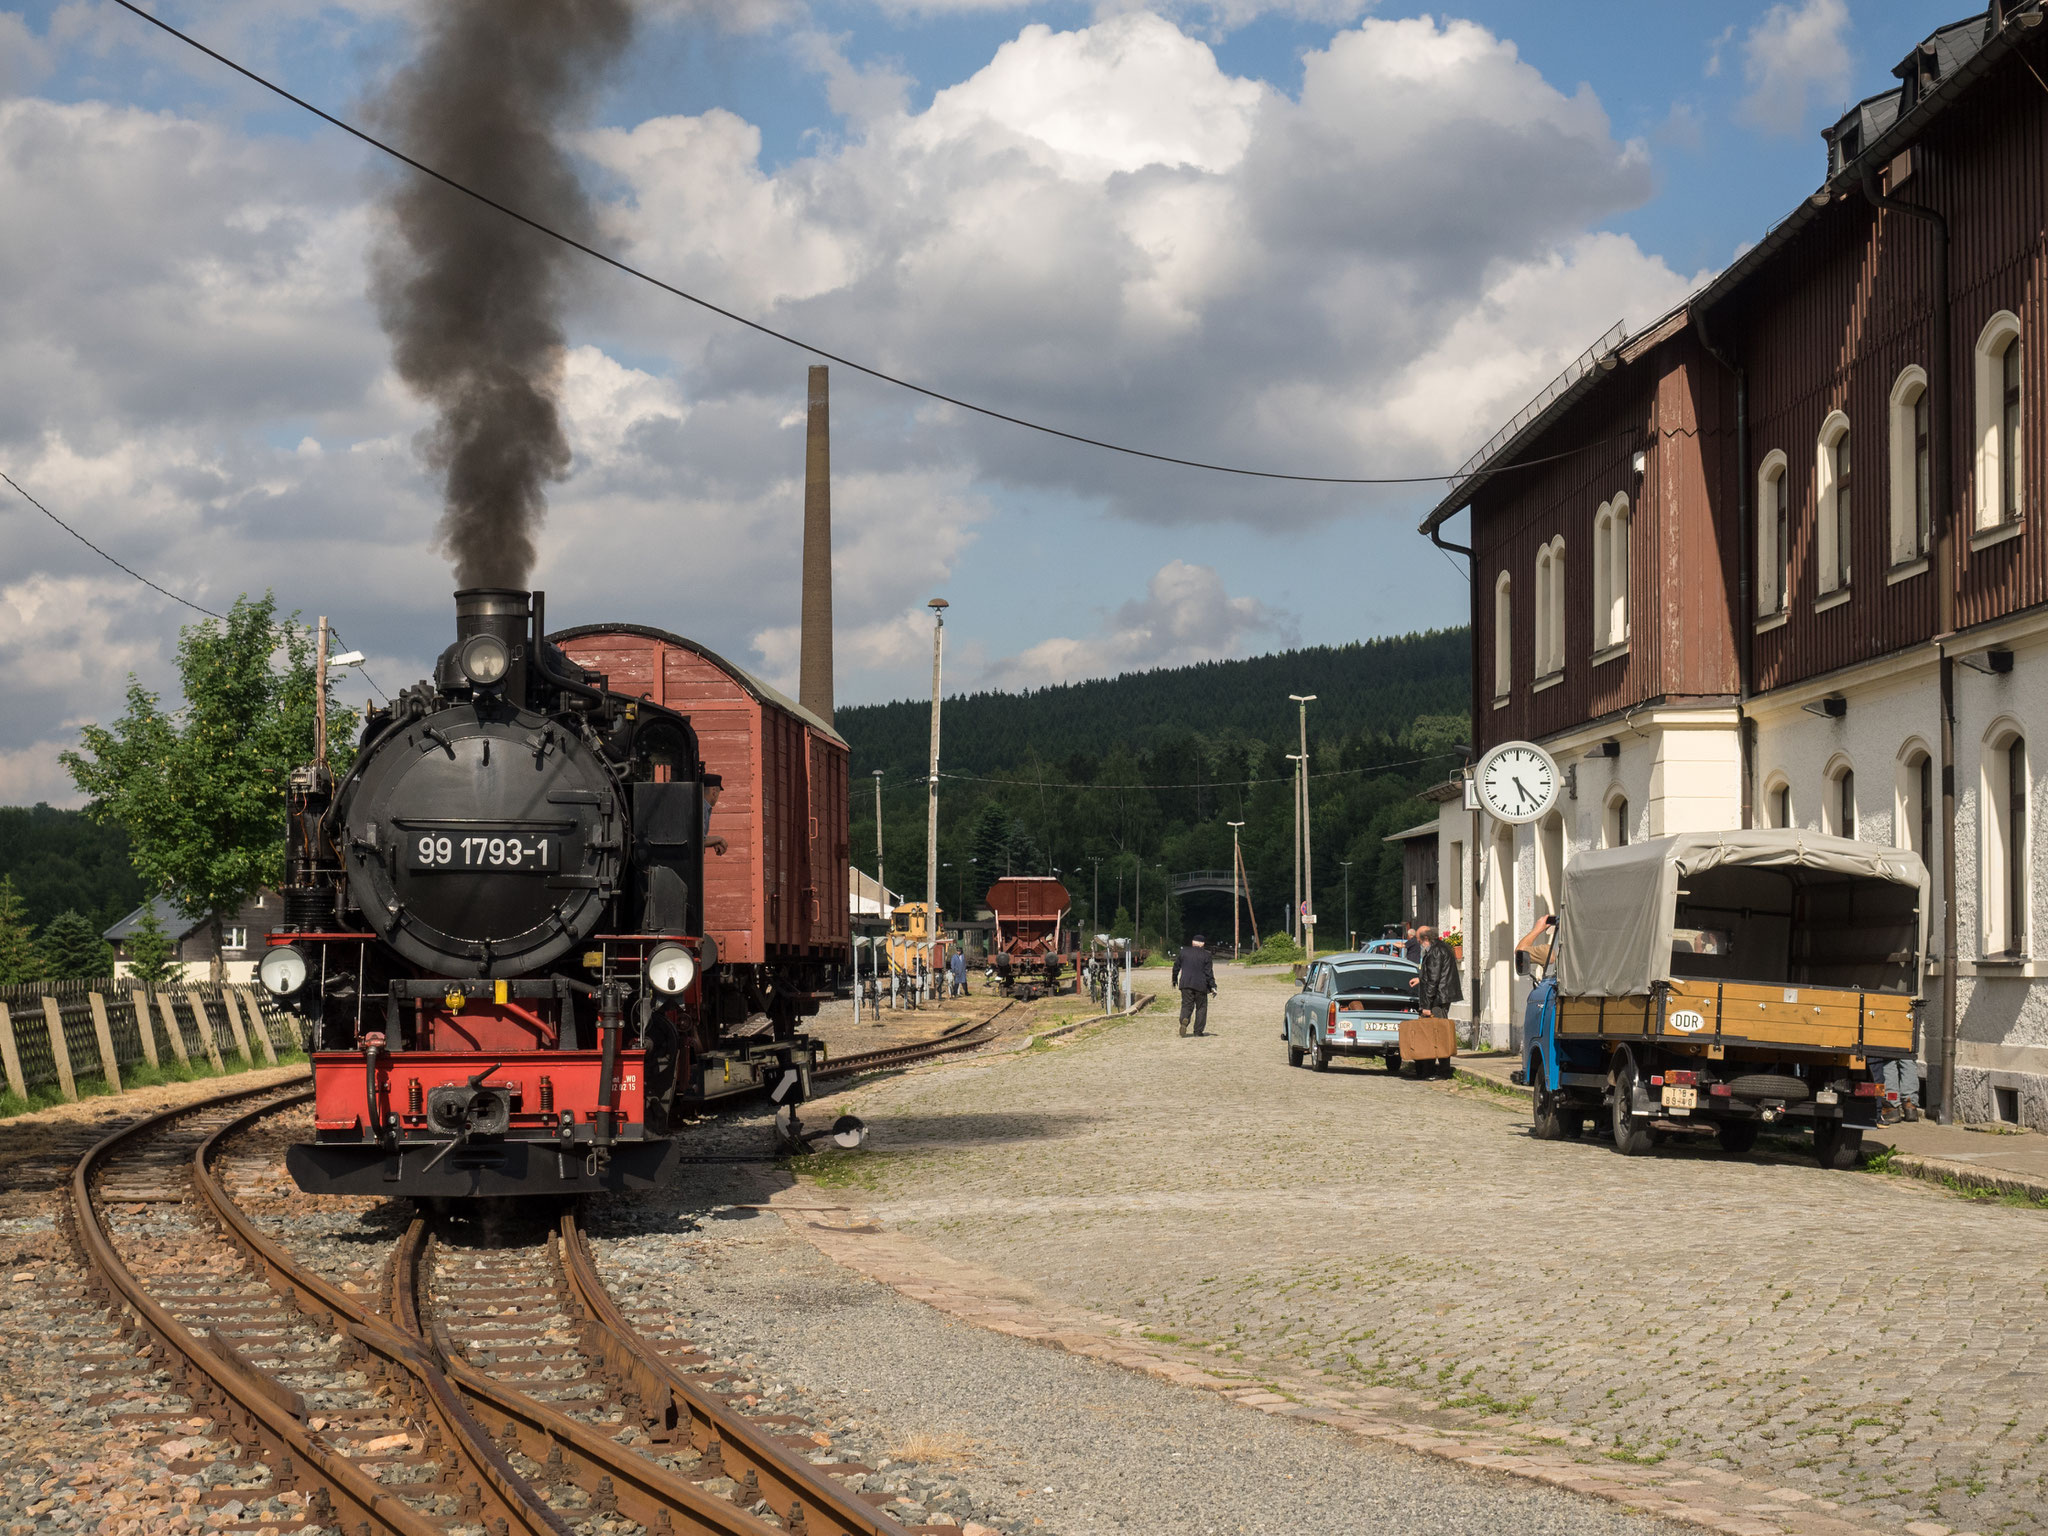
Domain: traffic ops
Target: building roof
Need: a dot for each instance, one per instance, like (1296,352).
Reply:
(1867,137)
(761,691)
(1413,834)
(169,918)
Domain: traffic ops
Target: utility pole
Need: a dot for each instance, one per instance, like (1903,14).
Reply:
(1138,905)
(881,885)
(1294,912)
(1095,901)
(1236,863)
(1308,864)
(931,834)
(1350,938)
(320,696)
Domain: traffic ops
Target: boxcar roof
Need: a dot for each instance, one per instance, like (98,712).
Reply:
(760,690)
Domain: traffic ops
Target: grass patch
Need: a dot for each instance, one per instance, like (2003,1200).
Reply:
(1159,1338)
(855,1169)
(1484,1402)
(1491,1085)
(138,1075)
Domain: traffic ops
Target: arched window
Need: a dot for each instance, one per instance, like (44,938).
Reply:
(1503,635)
(1610,574)
(1914,828)
(1778,802)
(1773,537)
(1539,616)
(1838,809)
(1912,455)
(1615,832)
(2000,466)
(1831,503)
(1554,622)
(2005,798)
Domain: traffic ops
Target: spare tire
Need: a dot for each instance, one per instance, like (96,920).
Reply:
(1769,1085)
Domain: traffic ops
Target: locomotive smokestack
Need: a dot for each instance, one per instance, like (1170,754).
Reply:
(505,612)
(814,685)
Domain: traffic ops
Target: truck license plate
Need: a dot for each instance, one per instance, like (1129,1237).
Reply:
(1681,1098)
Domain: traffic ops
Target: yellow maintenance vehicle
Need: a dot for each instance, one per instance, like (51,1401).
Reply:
(1740,979)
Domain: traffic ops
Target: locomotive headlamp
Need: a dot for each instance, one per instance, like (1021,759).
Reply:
(282,971)
(671,968)
(484,660)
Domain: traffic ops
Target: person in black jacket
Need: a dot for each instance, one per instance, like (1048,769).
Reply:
(1194,972)
(1437,985)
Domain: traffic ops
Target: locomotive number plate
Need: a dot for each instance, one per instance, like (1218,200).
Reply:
(472,850)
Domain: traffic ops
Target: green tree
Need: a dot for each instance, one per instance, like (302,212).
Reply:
(200,789)
(1121,927)
(72,950)
(19,960)
(150,950)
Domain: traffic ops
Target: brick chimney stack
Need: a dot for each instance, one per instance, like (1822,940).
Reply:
(814,686)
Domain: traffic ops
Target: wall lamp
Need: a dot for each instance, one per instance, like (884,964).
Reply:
(1995,662)
(1833,707)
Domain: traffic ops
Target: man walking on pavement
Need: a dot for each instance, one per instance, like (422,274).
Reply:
(1194,972)
(958,966)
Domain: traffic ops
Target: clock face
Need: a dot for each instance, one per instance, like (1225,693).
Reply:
(1517,781)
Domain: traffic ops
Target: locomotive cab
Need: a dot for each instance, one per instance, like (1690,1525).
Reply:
(494,928)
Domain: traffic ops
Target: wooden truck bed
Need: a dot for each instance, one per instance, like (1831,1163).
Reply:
(1717,1015)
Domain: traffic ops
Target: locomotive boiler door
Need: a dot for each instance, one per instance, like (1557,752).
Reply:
(484,847)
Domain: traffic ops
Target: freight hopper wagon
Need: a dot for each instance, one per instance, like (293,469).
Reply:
(774,900)
(1740,979)
(1027,954)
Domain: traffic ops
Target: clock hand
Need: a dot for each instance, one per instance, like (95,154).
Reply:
(1524,793)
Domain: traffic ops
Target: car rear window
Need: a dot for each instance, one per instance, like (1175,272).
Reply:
(1374,978)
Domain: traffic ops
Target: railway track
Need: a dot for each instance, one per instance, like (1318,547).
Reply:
(503,1390)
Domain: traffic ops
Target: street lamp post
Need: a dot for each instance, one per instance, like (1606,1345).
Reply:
(1236,901)
(881,884)
(1308,866)
(1294,924)
(938,607)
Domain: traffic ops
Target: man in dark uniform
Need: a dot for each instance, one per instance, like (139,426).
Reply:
(1194,972)
(1428,1038)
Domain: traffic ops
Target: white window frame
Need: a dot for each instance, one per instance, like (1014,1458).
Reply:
(1778,791)
(1603,519)
(1906,796)
(236,937)
(1997,935)
(1832,567)
(1832,821)
(1503,635)
(1909,392)
(1616,594)
(1773,565)
(1614,820)
(1552,656)
(2000,331)
(1539,617)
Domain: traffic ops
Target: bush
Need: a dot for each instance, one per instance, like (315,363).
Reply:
(150,950)
(1277,949)
(72,950)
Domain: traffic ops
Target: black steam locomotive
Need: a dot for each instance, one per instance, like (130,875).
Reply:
(494,926)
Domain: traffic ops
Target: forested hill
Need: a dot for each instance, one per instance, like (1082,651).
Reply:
(1369,686)
(1118,786)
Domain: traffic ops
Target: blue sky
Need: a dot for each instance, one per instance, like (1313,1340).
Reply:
(1317,235)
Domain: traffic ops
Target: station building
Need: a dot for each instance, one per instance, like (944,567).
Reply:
(1736,568)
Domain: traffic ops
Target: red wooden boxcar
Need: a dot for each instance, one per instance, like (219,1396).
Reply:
(784,773)
(1028,911)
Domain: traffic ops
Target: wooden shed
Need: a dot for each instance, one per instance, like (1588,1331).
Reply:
(778,893)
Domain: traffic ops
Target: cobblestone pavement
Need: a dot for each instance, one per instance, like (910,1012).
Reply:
(1863,1341)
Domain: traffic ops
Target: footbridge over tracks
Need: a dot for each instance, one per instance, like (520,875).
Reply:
(1203,880)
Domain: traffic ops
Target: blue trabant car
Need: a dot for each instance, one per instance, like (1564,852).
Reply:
(1350,1005)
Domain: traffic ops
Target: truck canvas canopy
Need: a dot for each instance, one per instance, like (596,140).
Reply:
(1773,906)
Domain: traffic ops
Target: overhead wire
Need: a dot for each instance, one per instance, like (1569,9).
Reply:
(921,781)
(157,587)
(785,337)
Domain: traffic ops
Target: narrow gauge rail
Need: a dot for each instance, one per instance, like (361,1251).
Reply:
(248,1335)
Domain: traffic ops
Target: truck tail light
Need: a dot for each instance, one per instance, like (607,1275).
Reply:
(1682,1079)
(1870,1090)
(1721,1091)
(1657,1080)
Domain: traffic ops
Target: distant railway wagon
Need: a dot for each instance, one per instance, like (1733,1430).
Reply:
(1029,911)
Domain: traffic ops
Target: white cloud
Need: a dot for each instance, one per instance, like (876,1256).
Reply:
(1185,616)
(1795,58)
(1102,228)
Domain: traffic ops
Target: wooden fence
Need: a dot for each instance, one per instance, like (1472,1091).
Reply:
(59,1031)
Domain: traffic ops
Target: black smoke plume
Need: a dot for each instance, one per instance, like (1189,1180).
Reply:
(470,299)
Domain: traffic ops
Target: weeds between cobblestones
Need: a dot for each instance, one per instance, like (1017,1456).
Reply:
(1865,1342)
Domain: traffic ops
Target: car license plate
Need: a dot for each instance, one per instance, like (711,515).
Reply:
(511,852)
(1681,1098)
(1827,1096)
